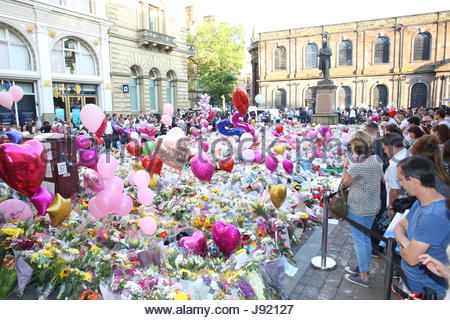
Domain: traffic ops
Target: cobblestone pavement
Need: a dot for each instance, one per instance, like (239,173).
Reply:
(313,284)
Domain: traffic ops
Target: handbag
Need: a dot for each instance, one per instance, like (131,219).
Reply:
(337,203)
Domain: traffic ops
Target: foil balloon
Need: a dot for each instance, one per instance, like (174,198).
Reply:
(83,141)
(101,131)
(59,210)
(93,180)
(15,136)
(211,115)
(271,163)
(279,128)
(42,200)
(227,237)
(227,164)
(153,164)
(196,243)
(148,148)
(202,167)
(23,166)
(278,195)
(288,166)
(134,148)
(88,158)
(223,128)
(173,148)
(247,127)
(279,148)
(241,101)
(258,157)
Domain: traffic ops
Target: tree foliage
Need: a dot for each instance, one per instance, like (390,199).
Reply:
(218,59)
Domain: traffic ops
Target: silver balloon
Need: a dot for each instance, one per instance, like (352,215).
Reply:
(259,99)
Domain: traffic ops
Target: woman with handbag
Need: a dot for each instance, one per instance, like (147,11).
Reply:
(362,174)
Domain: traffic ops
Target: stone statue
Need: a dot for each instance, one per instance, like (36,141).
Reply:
(324,60)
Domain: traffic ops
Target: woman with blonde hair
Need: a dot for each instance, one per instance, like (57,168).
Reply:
(428,146)
(362,174)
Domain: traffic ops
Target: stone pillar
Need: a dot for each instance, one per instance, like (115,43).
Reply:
(46,109)
(105,94)
(325,103)
(437,91)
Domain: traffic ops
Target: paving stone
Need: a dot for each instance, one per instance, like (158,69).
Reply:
(327,292)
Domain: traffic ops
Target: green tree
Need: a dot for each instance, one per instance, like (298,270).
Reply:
(218,59)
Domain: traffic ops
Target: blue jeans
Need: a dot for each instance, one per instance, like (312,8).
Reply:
(361,241)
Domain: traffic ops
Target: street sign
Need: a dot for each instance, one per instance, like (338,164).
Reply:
(126,88)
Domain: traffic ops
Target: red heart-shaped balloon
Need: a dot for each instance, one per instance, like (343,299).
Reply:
(134,148)
(152,164)
(240,100)
(23,166)
(227,164)
(101,131)
(279,128)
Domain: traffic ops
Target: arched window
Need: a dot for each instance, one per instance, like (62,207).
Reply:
(72,57)
(170,87)
(154,99)
(280,99)
(311,55)
(135,92)
(380,96)
(422,46)
(419,95)
(381,50)
(344,97)
(345,53)
(280,58)
(14,53)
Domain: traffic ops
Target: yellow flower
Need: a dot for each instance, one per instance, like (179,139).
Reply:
(47,253)
(216,191)
(95,249)
(182,296)
(64,273)
(205,198)
(35,257)
(86,276)
(240,251)
(11,232)
(304,216)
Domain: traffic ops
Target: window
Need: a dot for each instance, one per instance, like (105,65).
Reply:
(311,56)
(14,53)
(170,87)
(381,50)
(280,58)
(380,96)
(344,97)
(422,46)
(156,19)
(70,56)
(134,88)
(154,91)
(310,93)
(280,99)
(419,95)
(345,53)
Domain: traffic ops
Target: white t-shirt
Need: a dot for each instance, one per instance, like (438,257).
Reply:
(390,176)
(392,121)
(445,122)
(109,128)
(352,114)
(404,124)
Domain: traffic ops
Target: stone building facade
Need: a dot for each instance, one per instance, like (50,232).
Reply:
(58,52)
(403,61)
(148,56)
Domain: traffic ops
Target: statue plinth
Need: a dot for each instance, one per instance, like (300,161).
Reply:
(325,103)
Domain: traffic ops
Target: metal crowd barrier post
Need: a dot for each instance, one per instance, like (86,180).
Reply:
(323,262)
(388,268)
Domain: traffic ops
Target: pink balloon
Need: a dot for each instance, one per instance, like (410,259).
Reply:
(312,135)
(288,166)
(205,146)
(93,180)
(196,243)
(205,123)
(258,157)
(16,210)
(196,132)
(226,237)
(167,120)
(107,166)
(83,141)
(95,210)
(210,128)
(88,158)
(42,200)
(204,130)
(115,184)
(202,167)
(92,117)
(271,163)
(130,177)
(276,134)
(148,225)
(16,93)
(248,155)
(106,200)
(168,109)
(124,205)
(141,179)
(305,132)
(6,100)
(145,196)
